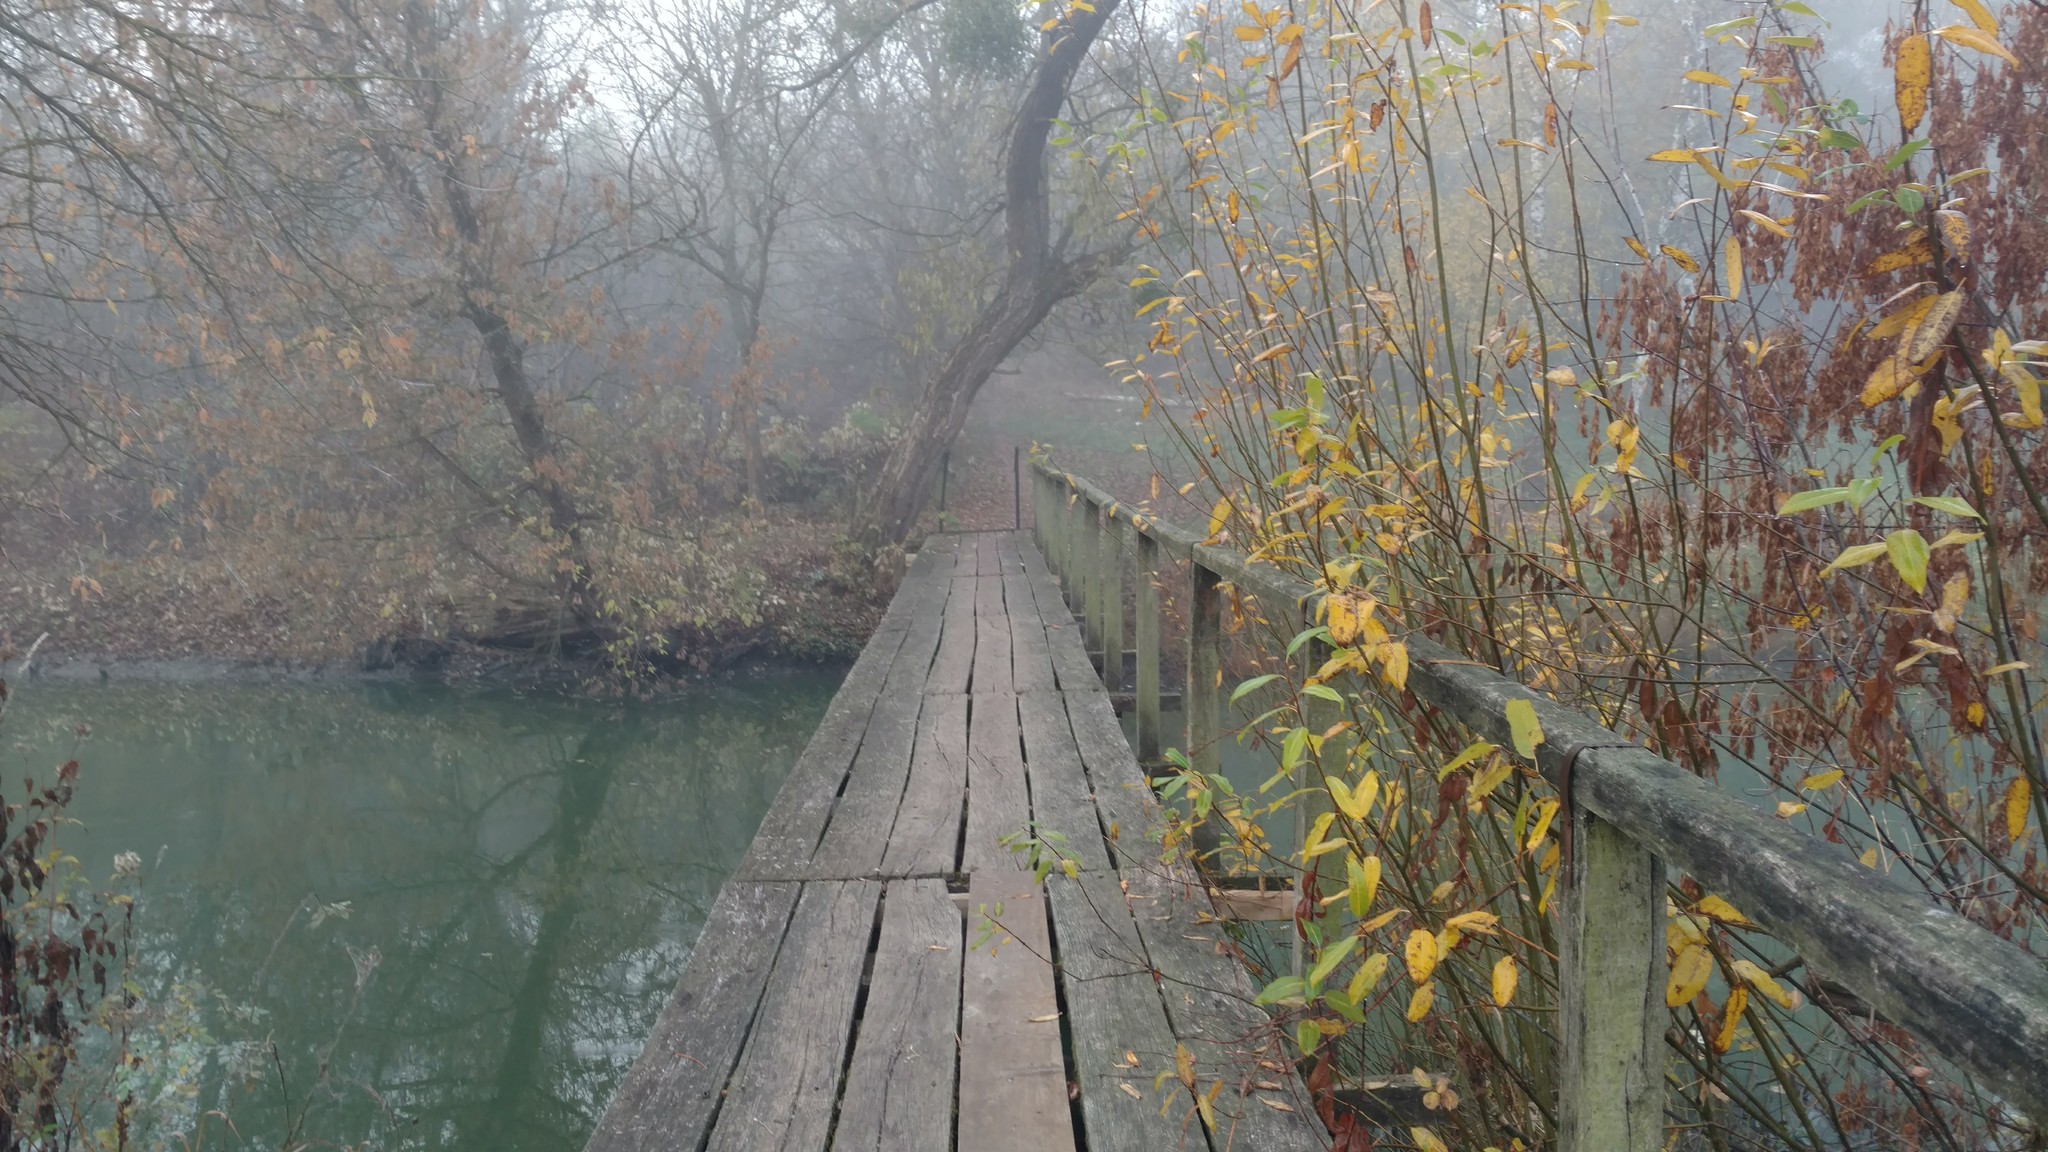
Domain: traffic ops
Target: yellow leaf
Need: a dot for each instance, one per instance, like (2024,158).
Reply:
(2018,795)
(1915,68)
(1368,974)
(1365,883)
(1955,230)
(1765,222)
(1955,595)
(1699,76)
(1731,1015)
(1977,40)
(1979,14)
(1731,260)
(1218,517)
(1899,321)
(1675,156)
(1715,908)
(1763,982)
(1635,246)
(1689,972)
(1888,379)
(1680,257)
(1525,728)
(1421,952)
(1249,34)
(1820,780)
(1787,809)
(2002,669)
(1394,665)
(1925,335)
(1495,774)
(1419,1004)
(1869,858)
(1545,813)
(1505,977)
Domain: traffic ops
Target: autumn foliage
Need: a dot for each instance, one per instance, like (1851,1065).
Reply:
(1613,349)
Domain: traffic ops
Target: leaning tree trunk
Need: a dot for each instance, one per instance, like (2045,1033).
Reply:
(1036,278)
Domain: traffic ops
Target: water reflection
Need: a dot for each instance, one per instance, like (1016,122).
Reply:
(455,914)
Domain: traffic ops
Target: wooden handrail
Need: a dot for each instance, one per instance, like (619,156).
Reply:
(1977,999)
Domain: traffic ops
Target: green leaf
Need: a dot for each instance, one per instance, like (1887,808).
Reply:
(1253,685)
(1307,1036)
(1473,751)
(1293,748)
(1332,956)
(1527,730)
(1285,988)
(1323,692)
(1953,505)
(1909,552)
(1836,138)
(1855,557)
(1316,633)
(1898,159)
(1818,498)
(1909,200)
(1344,1006)
(1862,490)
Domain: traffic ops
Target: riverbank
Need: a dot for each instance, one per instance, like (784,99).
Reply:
(193,618)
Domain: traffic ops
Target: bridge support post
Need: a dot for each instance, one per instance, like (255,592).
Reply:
(1205,668)
(1110,568)
(1611,973)
(1097,579)
(1147,644)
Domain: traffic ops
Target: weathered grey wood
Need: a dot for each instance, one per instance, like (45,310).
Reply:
(992,672)
(1611,972)
(1097,575)
(1122,792)
(1111,568)
(1060,795)
(985,560)
(858,831)
(1013,1078)
(1199,702)
(790,831)
(1147,642)
(1977,999)
(668,1098)
(954,661)
(1030,654)
(899,1085)
(782,1095)
(998,802)
(988,593)
(1209,1004)
(1114,1014)
(926,839)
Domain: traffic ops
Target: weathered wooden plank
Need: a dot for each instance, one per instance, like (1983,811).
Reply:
(1122,792)
(954,661)
(1147,642)
(1204,663)
(858,834)
(1013,1079)
(1117,1024)
(992,672)
(1611,974)
(926,839)
(1060,800)
(858,830)
(782,1095)
(790,831)
(1030,655)
(997,800)
(899,1085)
(669,1097)
(988,593)
(1209,1005)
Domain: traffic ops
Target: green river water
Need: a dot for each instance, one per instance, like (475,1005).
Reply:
(453,913)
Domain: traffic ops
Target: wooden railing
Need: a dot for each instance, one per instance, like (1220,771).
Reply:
(1978,1000)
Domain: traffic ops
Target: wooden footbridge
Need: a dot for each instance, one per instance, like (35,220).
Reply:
(843,994)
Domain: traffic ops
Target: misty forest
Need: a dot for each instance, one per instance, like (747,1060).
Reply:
(452,451)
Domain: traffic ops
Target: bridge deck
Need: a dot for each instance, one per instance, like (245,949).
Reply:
(842,994)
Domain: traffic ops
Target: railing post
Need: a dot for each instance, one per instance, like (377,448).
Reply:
(1098,562)
(1205,668)
(1070,570)
(1611,972)
(1038,513)
(1147,644)
(1111,583)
